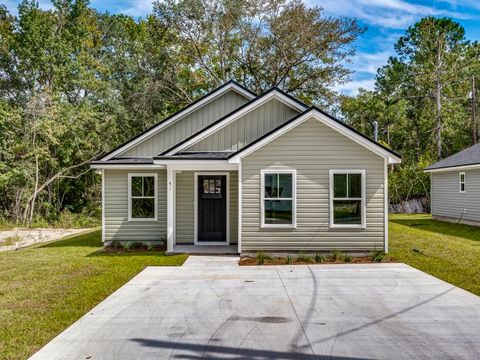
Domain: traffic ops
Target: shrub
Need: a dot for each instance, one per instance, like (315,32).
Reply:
(336,255)
(288,259)
(347,258)
(134,245)
(377,256)
(117,245)
(261,257)
(319,257)
(302,257)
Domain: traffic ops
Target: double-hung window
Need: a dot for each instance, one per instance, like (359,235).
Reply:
(142,197)
(461,181)
(278,198)
(347,198)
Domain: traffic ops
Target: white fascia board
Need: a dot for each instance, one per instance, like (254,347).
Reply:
(199,165)
(314,114)
(126,167)
(180,115)
(454,168)
(275,94)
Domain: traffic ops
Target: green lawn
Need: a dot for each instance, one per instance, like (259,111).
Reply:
(448,251)
(44,289)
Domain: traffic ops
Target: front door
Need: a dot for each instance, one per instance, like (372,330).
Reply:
(212,209)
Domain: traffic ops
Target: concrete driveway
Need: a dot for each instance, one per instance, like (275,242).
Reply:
(211,308)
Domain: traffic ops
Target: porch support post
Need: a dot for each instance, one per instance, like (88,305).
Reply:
(170,208)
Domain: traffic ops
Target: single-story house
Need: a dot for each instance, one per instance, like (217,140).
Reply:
(455,187)
(246,172)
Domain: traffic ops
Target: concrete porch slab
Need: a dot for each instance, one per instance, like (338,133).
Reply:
(205,249)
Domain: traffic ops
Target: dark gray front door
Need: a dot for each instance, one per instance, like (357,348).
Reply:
(212,208)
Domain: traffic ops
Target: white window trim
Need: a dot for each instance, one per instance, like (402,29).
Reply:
(293,172)
(155,179)
(460,182)
(363,225)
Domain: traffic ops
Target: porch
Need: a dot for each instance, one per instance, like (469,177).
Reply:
(202,209)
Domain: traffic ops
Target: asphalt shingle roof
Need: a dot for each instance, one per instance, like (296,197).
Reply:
(469,156)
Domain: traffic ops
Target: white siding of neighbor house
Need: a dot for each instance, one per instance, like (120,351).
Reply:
(117,226)
(184,214)
(188,125)
(313,149)
(247,128)
(448,202)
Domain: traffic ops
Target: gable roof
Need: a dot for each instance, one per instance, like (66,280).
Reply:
(237,113)
(230,85)
(468,157)
(327,119)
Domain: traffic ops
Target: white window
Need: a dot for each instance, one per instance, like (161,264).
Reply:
(142,197)
(461,181)
(347,199)
(278,203)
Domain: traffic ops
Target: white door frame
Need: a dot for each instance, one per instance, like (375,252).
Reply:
(195,209)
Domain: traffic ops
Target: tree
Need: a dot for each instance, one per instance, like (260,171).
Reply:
(263,44)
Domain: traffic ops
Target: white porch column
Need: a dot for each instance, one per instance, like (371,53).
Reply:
(170,208)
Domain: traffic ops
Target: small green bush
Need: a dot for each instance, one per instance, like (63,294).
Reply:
(134,245)
(117,245)
(336,255)
(261,257)
(377,256)
(319,258)
(302,257)
(347,258)
(288,259)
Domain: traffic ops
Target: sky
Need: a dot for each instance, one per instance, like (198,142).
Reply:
(385,20)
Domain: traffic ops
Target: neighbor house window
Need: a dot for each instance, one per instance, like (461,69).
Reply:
(461,180)
(142,197)
(278,198)
(347,198)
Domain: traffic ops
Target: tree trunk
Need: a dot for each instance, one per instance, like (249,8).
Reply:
(474,111)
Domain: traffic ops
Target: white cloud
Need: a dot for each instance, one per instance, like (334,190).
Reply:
(138,8)
(351,88)
(391,14)
(370,62)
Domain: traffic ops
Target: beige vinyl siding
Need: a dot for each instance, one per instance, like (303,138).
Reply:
(312,149)
(447,201)
(188,125)
(247,128)
(184,216)
(117,226)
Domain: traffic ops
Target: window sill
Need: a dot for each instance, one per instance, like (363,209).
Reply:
(360,227)
(141,219)
(268,226)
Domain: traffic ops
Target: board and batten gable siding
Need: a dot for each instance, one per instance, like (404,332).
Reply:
(446,199)
(312,149)
(184,208)
(188,125)
(247,128)
(117,226)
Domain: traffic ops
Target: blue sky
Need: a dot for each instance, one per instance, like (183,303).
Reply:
(385,20)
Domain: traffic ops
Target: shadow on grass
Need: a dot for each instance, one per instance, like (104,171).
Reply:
(91,239)
(442,228)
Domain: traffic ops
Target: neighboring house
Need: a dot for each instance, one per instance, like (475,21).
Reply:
(455,187)
(248,173)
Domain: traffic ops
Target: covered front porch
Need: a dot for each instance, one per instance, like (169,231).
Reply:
(202,207)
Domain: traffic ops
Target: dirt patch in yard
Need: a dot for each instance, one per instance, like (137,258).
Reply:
(22,237)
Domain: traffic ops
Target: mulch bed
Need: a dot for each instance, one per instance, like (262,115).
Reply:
(249,261)
(140,249)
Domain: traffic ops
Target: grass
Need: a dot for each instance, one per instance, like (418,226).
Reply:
(45,288)
(448,251)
